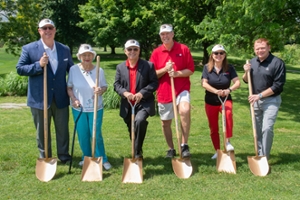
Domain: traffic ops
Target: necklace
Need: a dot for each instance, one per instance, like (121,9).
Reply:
(217,69)
(84,71)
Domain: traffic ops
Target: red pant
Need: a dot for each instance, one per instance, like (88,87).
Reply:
(212,113)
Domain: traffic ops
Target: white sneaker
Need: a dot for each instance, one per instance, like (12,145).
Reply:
(229,147)
(214,156)
(107,165)
(80,163)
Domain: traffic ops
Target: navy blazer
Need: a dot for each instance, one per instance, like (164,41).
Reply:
(146,84)
(29,65)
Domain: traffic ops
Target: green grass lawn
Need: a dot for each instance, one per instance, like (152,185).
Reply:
(18,152)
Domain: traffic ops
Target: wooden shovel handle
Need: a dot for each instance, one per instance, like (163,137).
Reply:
(132,127)
(45,111)
(223,120)
(95,108)
(178,134)
(252,110)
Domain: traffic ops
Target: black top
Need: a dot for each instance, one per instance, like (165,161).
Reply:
(219,81)
(269,73)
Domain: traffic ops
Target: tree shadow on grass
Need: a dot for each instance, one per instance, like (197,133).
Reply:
(284,159)
(157,166)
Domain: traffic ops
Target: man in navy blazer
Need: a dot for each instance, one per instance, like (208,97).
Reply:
(58,59)
(136,81)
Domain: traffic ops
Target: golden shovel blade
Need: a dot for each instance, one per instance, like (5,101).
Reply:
(132,171)
(91,169)
(226,161)
(258,165)
(45,168)
(182,167)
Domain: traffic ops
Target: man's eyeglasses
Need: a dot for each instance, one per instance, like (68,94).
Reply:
(134,49)
(217,53)
(47,27)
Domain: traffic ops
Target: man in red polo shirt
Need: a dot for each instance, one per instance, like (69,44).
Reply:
(173,59)
(136,81)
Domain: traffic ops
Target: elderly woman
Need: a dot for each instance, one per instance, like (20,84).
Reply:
(82,89)
(216,79)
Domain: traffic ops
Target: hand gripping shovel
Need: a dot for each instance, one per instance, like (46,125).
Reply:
(225,159)
(258,164)
(132,168)
(182,167)
(92,167)
(45,167)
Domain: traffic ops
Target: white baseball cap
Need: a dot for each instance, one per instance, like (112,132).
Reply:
(85,48)
(45,22)
(165,28)
(218,47)
(132,43)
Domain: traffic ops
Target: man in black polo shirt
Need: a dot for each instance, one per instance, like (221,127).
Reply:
(268,77)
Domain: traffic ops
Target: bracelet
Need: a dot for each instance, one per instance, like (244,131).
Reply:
(230,90)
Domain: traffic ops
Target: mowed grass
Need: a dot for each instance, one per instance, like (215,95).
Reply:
(19,152)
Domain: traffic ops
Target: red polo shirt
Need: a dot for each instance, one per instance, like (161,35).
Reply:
(132,77)
(182,58)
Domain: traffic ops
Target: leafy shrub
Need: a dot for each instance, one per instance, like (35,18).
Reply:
(2,86)
(13,84)
(111,99)
(290,54)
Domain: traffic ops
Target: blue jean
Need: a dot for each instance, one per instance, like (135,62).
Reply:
(266,111)
(85,133)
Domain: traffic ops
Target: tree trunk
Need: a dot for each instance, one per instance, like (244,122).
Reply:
(113,50)
(205,45)
(71,49)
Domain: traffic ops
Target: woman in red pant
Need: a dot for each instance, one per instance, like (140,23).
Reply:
(216,79)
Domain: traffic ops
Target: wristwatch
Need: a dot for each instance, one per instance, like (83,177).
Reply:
(230,90)
(260,95)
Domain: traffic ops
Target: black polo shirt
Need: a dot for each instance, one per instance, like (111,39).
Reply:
(270,73)
(219,81)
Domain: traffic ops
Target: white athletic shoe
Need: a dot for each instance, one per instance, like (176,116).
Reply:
(80,163)
(214,156)
(107,165)
(229,147)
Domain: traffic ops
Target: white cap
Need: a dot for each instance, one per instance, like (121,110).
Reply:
(85,48)
(45,22)
(165,28)
(132,43)
(218,47)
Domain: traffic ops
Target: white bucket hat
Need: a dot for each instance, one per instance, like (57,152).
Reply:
(85,48)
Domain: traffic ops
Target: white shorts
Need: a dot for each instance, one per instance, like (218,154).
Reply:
(166,111)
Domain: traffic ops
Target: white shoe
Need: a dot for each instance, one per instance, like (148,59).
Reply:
(214,156)
(229,147)
(80,163)
(107,165)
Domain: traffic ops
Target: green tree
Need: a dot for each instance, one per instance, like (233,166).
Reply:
(65,14)
(238,23)
(112,22)
(21,25)
(187,16)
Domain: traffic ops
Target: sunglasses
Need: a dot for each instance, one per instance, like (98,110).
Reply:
(134,49)
(217,53)
(47,27)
